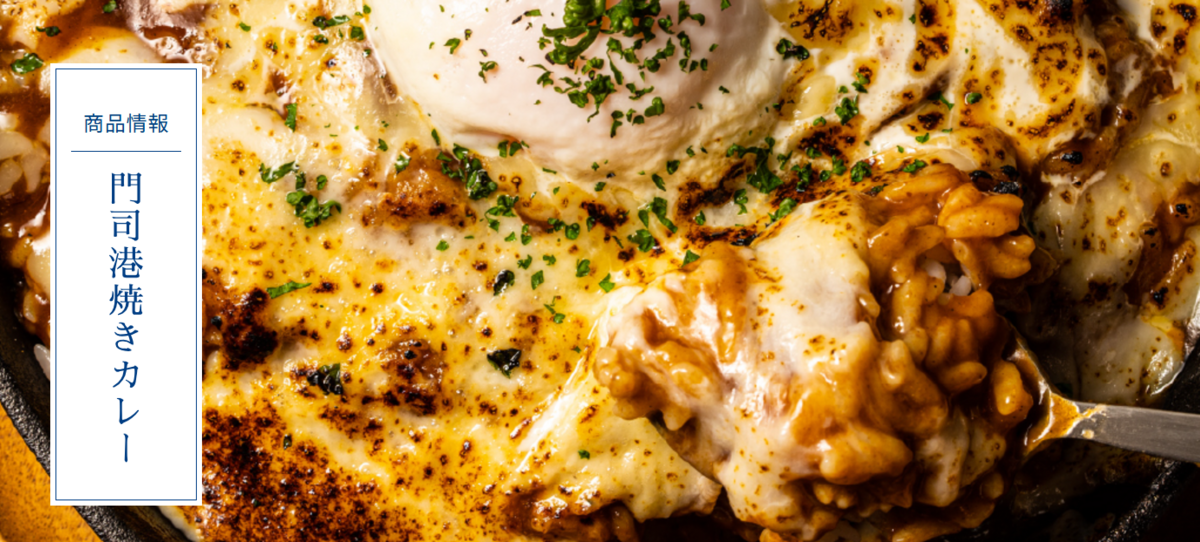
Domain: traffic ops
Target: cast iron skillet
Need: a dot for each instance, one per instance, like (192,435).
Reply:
(25,394)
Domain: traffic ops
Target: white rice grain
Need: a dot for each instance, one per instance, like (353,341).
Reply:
(13,144)
(43,356)
(10,173)
(32,165)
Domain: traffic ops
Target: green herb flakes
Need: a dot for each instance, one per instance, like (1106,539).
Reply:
(290,119)
(607,284)
(504,279)
(26,64)
(914,166)
(505,360)
(276,291)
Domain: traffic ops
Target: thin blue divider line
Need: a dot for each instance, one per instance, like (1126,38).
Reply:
(196,323)
(196,282)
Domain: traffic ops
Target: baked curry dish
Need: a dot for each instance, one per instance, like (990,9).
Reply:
(574,269)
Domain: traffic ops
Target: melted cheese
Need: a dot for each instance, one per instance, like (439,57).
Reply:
(429,439)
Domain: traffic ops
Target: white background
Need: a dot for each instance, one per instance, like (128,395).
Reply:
(87,442)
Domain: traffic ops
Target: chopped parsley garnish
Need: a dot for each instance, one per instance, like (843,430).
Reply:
(785,208)
(321,22)
(110,6)
(401,162)
(269,175)
(436,138)
(690,257)
(600,186)
(26,64)
(672,166)
(526,237)
(659,207)
(510,148)
(442,245)
(761,177)
(939,98)
(725,5)
(583,454)
(276,291)
(805,174)
(549,259)
(583,268)
(245,27)
(791,50)
(607,284)
(572,231)
(924,138)
(383,146)
(526,262)
(643,239)
(287,441)
(505,360)
(860,82)
(974,97)
(585,21)
(322,181)
(485,67)
(453,44)
(311,211)
(839,166)
(700,219)
(328,378)
(556,316)
(656,107)
(469,169)
(914,166)
(550,171)
(356,33)
(50,31)
(723,90)
(741,199)
(847,110)
(537,280)
(504,279)
(320,38)
(658,182)
(860,171)
(502,208)
(819,121)
(290,120)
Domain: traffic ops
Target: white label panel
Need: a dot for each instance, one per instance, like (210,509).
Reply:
(125,304)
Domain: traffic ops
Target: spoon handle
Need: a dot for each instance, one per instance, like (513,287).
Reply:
(1173,435)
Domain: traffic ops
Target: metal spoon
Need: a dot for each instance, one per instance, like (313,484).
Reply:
(1172,435)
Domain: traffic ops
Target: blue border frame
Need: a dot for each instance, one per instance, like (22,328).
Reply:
(195,254)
